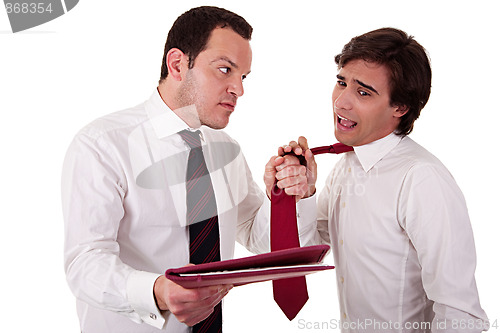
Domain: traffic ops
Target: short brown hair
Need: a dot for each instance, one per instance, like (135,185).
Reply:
(408,63)
(191,31)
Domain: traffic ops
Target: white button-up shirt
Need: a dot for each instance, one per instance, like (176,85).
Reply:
(402,241)
(124,204)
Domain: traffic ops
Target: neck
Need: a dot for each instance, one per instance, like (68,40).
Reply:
(187,113)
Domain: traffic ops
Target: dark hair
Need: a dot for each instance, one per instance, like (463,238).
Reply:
(191,31)
(408,63)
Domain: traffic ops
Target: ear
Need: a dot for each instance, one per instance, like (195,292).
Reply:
(175,62)
(400,110)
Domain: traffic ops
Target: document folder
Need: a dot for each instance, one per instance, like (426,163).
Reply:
(275,265)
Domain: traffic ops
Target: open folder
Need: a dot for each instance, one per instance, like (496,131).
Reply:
(275,265)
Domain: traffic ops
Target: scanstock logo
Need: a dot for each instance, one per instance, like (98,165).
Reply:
(28,14)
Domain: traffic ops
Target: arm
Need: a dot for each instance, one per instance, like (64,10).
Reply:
(92,194)
(93,190)
(433,212)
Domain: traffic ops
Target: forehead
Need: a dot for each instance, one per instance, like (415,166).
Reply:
(226,43)
(371,73)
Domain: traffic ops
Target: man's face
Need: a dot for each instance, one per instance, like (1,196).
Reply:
(361,104)
(215,82)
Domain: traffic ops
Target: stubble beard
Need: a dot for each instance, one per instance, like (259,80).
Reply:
(189,97)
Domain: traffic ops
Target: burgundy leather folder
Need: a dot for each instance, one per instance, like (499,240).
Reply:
(275,265)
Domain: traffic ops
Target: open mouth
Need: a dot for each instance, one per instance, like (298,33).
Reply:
(344,122)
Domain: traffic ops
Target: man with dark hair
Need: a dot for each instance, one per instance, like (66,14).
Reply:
(158,186)
(393,214)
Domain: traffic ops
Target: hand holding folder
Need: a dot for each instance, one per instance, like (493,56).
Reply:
(262,267)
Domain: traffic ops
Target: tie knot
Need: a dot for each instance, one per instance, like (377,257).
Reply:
(192,138)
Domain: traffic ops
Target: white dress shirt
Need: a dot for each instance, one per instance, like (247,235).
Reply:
(402,241)
(124,205)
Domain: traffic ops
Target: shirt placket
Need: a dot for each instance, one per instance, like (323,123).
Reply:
(343,205)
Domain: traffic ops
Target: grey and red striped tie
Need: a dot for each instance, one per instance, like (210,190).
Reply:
(202,219)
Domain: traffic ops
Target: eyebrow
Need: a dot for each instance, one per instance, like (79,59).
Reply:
(367,86)
(227,60)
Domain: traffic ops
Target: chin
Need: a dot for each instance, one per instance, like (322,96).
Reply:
(345,139)
(217,125)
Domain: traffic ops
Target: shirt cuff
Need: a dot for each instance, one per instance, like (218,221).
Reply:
(307,216)
(140,295)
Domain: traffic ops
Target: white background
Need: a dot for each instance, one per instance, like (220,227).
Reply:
(105,56)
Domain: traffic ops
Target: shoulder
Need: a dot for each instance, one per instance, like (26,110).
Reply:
(422,168)
(120,121)
(414,157)
(108,133)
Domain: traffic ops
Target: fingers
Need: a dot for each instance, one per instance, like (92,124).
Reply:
(270,174)
(303,143)
(291,176)
(311,173)
(189,306)
(293,184)
(282,162)
(297,147)
(199,303)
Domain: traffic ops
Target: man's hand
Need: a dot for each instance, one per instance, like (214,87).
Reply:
(293,177)
(189,306)
(289,173)
(301,148)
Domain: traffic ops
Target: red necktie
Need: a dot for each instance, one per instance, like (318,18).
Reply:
(291,294)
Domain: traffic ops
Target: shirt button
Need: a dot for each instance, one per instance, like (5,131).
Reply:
(341,242)
(343,204)
(345,316)
(152,316)
(349,170)
(341,279)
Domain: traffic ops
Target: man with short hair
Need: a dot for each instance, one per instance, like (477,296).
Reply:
(126,190)
(393,214)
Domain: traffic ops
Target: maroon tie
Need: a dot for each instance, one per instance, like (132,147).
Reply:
(291,294)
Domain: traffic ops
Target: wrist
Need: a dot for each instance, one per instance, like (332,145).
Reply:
(158,292)
(311,192)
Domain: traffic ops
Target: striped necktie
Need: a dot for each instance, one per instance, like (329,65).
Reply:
(202,219)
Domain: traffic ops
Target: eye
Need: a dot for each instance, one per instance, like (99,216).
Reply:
(341,83)
(364,93)
(225,70)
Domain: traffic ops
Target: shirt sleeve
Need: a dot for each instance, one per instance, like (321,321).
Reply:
(323,232)
(307,221)
(252,230)
(433,213)
(93,188)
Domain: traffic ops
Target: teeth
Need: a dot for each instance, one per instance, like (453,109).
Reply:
(346,122)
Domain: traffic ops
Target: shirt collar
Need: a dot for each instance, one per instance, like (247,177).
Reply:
(164,121)
(369,154)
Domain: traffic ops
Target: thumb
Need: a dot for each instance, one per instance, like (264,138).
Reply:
(270,174)
(310,161)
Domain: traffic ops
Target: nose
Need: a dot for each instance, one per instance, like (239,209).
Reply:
(341,99)
(236,87)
